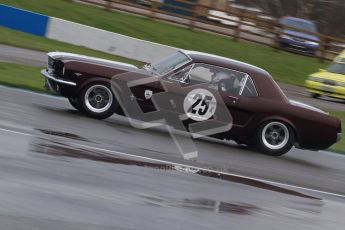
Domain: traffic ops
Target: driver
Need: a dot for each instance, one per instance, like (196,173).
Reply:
(229,83)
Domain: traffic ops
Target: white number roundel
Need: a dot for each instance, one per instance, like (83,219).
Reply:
(200,104)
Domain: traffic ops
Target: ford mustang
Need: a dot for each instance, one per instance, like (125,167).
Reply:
(262,116)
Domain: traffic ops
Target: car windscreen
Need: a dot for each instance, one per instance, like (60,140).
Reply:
(338,68)
(308,26)
(169,63)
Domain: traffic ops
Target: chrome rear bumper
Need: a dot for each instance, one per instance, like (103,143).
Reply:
(339,135)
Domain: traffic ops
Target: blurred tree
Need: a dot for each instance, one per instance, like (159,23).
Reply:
(328,14)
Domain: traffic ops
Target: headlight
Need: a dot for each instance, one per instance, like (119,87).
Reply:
(312,43)
(342,84)
(317,79)
(287,37)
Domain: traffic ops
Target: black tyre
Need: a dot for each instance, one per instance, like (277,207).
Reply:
(274,138)
(75,103)
(314,95)
(98,101)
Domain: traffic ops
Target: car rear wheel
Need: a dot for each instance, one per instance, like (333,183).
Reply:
(98,101)
(274,138)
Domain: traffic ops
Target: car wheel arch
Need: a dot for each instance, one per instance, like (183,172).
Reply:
(279,119)
(93,81)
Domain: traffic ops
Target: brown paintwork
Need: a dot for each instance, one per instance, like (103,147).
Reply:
(313,130)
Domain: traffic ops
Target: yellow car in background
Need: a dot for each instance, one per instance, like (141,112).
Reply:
(329,82)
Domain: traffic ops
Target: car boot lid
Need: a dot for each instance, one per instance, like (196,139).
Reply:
(306,106)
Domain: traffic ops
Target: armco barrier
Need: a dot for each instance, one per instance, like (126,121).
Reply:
(97,39)
(23,20)
(78,34)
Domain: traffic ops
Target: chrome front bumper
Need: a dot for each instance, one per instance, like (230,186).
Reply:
(45,73)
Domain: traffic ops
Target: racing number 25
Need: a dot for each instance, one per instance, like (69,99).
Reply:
(204,102)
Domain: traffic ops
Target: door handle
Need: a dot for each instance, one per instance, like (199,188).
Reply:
(234,99)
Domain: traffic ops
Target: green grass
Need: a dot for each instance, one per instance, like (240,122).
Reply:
(21,76)
(340,146)
(284,66)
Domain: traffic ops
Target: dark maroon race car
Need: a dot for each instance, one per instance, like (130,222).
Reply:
(261,115)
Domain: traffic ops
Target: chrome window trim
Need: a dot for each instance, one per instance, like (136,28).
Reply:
(244,85)
(184,80)
(251,79)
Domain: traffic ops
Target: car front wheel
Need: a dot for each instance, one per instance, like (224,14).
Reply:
(98,101)
(275,138)
(75,103)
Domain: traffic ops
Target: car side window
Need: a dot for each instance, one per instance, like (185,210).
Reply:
(201,74)
(249,89)
(222,79)
(218,78)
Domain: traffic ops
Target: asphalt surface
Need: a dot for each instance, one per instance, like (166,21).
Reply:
(22,56)
(61,170)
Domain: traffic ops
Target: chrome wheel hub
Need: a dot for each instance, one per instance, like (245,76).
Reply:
(98,98)
(275,135)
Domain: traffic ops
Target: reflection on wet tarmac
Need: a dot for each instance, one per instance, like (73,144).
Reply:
(201,204)
(58,149)
(63,134)
(49,147)
(90,191)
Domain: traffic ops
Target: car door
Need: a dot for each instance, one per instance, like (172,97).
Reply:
(196,97)
(242,105)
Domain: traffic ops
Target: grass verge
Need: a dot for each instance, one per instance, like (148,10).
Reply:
(28,77)
(285,67)
(21,76)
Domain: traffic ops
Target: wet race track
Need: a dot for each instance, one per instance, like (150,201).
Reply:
(61,170)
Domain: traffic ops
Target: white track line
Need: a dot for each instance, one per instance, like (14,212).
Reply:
(15,132)
(190,166)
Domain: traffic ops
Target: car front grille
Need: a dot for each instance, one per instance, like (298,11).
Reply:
(55,67)
(299,39)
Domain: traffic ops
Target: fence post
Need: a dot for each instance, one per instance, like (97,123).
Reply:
(108,5)
(154,7)
(195,15)
(237,34)
(278,35)
(323,48)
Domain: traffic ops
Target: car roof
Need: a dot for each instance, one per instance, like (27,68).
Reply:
(297,19)
(225,62)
